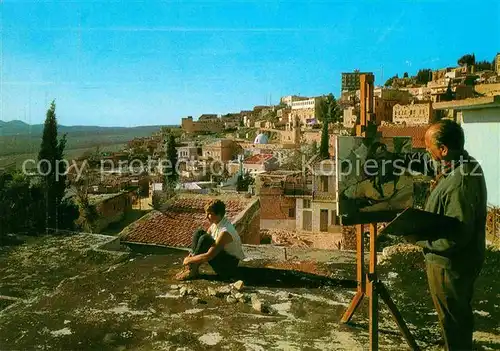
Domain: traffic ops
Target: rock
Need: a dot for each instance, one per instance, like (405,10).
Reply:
(212,292)
(238,296)
(175,287)
(191,291)
(231,299)
(195,301)
(238,285)
(257,304)
(183,291)
(225,290)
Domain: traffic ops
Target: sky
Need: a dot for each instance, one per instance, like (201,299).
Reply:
(129,63)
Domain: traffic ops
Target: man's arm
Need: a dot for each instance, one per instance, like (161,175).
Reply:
(458,203)
(223,239)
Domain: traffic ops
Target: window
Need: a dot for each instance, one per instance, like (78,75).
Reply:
(306,203)
(324,184)
(291,212)
(334,219)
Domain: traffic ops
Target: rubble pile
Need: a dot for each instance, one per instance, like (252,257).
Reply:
(406,256)
(286,238)
(232,293)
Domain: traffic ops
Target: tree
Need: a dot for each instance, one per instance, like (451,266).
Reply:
(171,176)
(60,213)
(484,66)
(20,199)
(390,82)
(467,59)
(448,95)
(323,148)
(405,75)
(243,182)
(329,110)
(424,76)
(88,211)
(314,148)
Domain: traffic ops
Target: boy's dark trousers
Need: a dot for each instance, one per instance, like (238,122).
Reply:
(223,264)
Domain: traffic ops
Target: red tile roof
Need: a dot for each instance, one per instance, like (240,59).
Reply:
(175,226)
(257,159)
(417,133)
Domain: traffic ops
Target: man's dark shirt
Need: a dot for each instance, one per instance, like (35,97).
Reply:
(460,192)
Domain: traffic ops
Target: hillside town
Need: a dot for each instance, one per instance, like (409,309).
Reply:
(268,153)
(92,266)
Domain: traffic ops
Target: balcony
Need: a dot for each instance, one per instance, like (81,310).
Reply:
(298,190)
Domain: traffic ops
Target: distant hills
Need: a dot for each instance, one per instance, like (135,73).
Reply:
(18,137)
(17,127)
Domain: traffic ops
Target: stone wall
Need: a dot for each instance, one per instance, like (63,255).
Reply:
(247,223)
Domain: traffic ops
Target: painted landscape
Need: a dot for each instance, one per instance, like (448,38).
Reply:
(371,187)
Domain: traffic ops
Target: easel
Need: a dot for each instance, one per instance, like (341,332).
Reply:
(369,284)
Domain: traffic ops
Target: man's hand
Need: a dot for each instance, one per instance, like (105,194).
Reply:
(187,260)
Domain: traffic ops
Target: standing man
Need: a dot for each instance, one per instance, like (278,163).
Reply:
(455,258)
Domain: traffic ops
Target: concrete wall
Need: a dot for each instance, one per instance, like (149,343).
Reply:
(482,141)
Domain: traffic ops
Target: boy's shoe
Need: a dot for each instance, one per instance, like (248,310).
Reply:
(186,274)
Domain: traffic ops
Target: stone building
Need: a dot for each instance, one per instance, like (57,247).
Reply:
(350,116)
(188,152)
(289,99)
(306,111)
(350,80)
(111,208)
(413,114)
(206,125)
(222,150)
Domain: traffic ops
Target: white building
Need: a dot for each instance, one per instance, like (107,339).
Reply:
(480,120)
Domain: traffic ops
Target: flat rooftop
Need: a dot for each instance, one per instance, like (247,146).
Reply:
(72,293)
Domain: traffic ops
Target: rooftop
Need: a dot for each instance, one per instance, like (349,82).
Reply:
(175,225)
(471,103)
(69,293)
(100,198)
(258,159)
(417,133)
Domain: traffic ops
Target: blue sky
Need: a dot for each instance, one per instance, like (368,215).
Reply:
(127,63)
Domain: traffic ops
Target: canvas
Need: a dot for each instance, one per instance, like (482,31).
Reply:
(372,182)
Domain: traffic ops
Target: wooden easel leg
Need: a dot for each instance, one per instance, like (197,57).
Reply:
(384,294)
(360,275)
(372,291)
(352,307)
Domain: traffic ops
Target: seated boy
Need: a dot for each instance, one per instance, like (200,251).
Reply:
(220,246)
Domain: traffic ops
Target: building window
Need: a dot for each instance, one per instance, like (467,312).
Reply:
(291,212)
(306,203)
(334,219)
(324,184)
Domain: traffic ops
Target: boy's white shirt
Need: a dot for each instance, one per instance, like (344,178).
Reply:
(234,248)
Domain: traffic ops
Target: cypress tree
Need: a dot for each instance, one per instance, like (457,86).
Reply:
(323,148)
(53,172)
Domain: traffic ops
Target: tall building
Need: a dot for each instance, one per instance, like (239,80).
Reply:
(497,63)
(350,80)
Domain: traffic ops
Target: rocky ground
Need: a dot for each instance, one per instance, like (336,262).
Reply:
(66,294)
